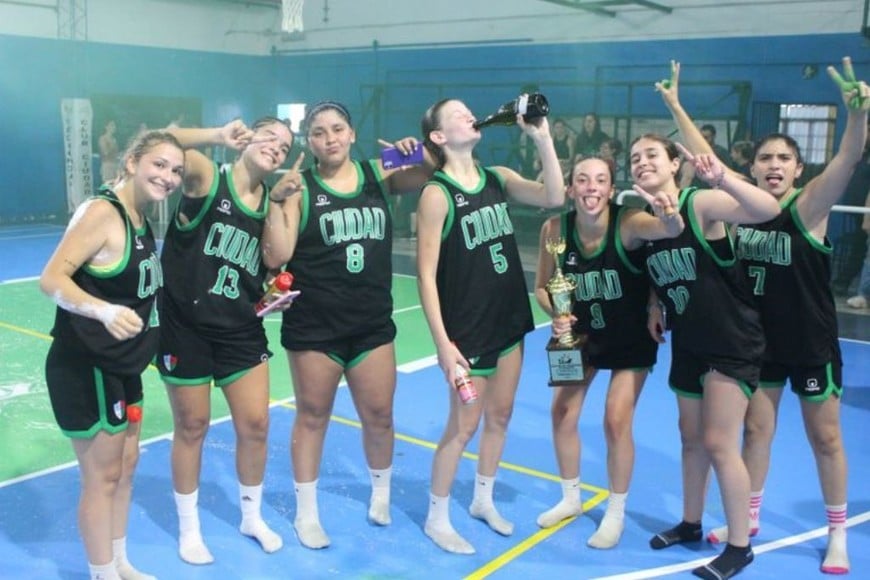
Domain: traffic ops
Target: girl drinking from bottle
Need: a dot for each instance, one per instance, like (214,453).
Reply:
(475,299)
(104,277)
(210,332)
(605,258)
(334,231)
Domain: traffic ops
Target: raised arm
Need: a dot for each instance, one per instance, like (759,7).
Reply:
(407,179)
(637,226)
(550,193)
(823,191)
(282,222)
(731,200)
(691,135)
(199,169)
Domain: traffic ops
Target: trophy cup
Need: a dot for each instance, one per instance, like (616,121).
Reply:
(565,352)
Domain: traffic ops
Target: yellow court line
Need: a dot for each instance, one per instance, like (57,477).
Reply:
(527,544)
(26,331)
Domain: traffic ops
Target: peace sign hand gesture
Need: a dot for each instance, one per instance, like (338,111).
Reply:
(856,94)
(669,88)
(236,135)
(290,182)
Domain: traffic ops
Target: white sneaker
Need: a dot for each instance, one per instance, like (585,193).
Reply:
(858,302)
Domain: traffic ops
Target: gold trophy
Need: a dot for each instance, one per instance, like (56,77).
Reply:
(564,353)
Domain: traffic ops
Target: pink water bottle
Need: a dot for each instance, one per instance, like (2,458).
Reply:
(464,386)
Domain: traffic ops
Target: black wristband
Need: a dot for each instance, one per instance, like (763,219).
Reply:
(278,201)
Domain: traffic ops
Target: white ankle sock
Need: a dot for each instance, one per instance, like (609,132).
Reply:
(483,508)
(439,529)
(569,506)
(307,523)
(837,557)
(191,546)
(125,569)
(253,525)
(103,571)
(612,524)
(379,504)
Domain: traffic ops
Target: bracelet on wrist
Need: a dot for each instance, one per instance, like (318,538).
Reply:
(720,181)
(278,201)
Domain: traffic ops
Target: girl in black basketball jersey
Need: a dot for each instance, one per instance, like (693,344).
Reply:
(335,235)
(104,277)
(717,339)
(604,256)
(797,307)
(210,333)
(474,295)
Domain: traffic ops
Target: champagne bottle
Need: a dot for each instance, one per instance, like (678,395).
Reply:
(531,107)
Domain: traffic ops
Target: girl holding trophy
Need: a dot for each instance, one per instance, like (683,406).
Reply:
(599,246)
(474,296)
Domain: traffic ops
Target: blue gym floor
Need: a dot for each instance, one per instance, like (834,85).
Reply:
(39,538)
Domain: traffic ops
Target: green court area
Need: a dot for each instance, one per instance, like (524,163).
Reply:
(29,438)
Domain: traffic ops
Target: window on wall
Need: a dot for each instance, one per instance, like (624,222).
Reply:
(812,126)
(295,112)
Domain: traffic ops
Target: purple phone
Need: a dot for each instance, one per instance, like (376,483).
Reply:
(393,158)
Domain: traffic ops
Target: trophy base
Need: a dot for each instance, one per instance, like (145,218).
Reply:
(566,362)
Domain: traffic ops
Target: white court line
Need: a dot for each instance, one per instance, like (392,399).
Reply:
(16,238)
(768,547)
(142,443)
(18,280)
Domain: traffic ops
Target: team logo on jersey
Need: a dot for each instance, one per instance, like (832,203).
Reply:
(571,259)
(473,360)
(224,207)
(460,200)
(118,409)
(139,244)
(812,385)
(169,361)
(321,201)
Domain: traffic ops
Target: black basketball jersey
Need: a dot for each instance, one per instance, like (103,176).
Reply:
(611,295)
(706,292)
(790,271)
(213,267)
(480,280)
(343,260)
(133,282)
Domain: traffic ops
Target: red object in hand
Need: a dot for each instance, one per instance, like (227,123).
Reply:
(134,414)
(279,285)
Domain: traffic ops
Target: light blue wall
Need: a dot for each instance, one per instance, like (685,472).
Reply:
(35,74)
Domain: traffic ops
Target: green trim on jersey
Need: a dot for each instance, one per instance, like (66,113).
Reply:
(206,204)
(620,248)
(112,270)
(379,176)
(823,247)
(595,253)
(699,232)
(237,199)
(350,195)
(478,188)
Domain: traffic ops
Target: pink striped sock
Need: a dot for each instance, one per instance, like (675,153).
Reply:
(836,516)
